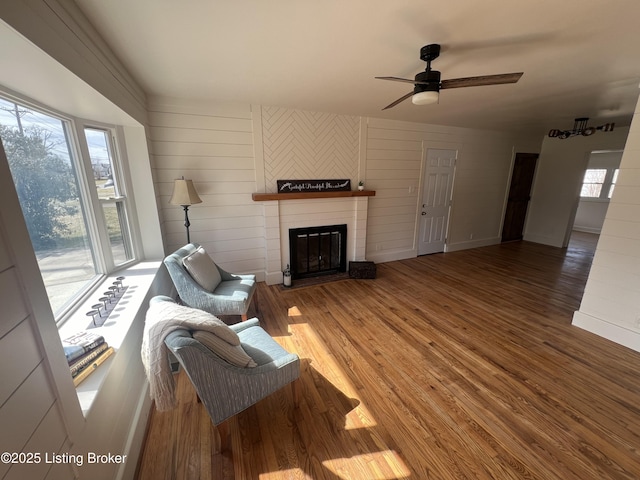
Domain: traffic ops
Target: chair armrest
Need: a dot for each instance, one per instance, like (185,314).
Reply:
(239,327)
(161,298)
(226,276)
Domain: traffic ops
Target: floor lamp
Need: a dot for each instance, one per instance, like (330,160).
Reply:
(184,193)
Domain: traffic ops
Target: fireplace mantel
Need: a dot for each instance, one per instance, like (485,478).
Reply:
(261,197)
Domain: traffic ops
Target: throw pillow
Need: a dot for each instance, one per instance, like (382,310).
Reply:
(233,354)
(202,269)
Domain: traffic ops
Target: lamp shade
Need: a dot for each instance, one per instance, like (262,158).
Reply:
(425,98)
(184,193)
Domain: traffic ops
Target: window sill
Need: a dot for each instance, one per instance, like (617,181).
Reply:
(138,279)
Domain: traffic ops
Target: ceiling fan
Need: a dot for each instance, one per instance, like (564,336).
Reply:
(427,84)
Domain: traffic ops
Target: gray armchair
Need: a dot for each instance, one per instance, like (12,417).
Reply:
(204,285)
(225,389)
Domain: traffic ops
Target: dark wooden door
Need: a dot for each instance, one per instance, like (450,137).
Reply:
(524,168)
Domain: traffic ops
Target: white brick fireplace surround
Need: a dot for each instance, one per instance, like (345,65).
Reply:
(282,214)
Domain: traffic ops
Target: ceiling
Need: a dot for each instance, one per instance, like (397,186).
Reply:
(580,58)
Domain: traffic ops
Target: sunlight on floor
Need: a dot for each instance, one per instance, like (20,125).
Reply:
(293,473)
(384,464)
(326,365)
(344,467)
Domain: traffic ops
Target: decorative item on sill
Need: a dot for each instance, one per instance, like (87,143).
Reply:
(360,185)
(286,276)
(85,351)
(580,128)
(100,311)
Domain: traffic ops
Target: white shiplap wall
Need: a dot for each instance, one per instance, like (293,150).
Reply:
(212,144)
(611,302)
(394,167)
(231,151)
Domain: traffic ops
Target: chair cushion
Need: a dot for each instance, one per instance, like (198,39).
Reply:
(233,354)
(202,269)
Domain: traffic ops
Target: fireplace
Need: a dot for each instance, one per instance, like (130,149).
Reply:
(318,250)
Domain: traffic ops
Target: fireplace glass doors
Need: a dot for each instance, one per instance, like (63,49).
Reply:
(318,250)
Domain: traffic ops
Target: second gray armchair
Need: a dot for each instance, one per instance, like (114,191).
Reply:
(202,284)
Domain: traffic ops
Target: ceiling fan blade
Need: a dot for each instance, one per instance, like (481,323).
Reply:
(482,80)
(405,80)
(401,99)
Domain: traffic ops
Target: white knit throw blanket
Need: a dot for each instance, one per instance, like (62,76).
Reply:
(163,318)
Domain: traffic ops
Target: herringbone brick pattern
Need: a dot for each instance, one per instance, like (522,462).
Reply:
(308,145)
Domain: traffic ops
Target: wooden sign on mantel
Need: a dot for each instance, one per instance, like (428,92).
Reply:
(297,186)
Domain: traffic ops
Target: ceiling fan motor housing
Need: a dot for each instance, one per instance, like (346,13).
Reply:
(429,52)
(433,79)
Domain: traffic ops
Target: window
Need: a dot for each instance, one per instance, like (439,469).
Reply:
(598,183)
(69,183)
(614,179)
(110,193)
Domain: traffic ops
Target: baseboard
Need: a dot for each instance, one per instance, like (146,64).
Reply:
(136,436)
(273,278)
(587,230)
(483,242)
(382,257)
(617,334)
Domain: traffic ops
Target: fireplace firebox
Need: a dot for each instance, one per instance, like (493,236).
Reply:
(318,250)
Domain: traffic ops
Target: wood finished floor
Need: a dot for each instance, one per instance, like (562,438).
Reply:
(458,365)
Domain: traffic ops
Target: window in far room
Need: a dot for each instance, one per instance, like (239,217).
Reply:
(69,183)
(598,183)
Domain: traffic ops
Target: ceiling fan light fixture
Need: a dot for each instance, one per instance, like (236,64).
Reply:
(425,97)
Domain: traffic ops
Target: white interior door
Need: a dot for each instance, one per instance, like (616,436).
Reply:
(436,200)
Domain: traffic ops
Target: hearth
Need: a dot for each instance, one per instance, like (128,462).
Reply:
(318,250)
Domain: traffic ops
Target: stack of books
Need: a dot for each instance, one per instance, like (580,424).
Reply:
(84,352)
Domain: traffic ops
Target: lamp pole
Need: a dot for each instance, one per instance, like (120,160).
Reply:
(187,224)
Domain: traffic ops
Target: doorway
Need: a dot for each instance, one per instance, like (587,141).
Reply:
(524,167)
(437,187)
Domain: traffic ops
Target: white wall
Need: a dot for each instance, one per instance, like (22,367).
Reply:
(611,303)
(592,211)
(556,189)
(61,30)
(212,144)
(231,151)
(395,154)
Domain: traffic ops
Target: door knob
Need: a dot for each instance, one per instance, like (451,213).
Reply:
(424,213)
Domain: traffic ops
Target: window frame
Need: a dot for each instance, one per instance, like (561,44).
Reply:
(90,204)
(606,185)
(107,263)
